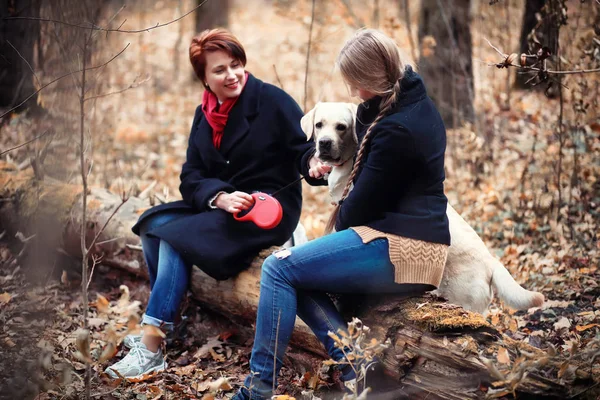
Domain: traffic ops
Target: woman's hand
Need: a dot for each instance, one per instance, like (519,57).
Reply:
(316,168)
(234,202)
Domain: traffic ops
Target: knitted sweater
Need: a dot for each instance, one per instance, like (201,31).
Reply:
(415,261)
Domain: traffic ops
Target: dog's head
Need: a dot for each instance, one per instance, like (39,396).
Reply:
(333,126)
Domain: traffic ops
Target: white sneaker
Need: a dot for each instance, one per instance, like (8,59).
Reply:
(130,341)
(138,364)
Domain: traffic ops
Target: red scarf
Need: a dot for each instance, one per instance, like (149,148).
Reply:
(217,119)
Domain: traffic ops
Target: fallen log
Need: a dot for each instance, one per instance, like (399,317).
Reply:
(437,350)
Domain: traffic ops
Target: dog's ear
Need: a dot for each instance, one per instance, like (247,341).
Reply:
(308,122)
(353,108)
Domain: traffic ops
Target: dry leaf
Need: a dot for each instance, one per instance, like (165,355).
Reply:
(563,322)
(82,343)
(585,327)
(204,350)
(563,368)
(155,391)
(102,304)
(216,356)
(184,371)
(503,357)
(109,352)
(495,319)
(96,322)
(492,369)
(64,279)
(220,384)
(124,299)
(5,298)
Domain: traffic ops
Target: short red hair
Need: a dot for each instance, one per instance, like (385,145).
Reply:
(214,40)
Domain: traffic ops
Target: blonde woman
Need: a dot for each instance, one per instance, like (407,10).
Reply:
(392,230)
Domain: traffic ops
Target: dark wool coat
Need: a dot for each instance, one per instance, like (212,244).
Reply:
(263,149)
(400,186)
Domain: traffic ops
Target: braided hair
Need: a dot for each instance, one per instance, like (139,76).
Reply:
(369,61)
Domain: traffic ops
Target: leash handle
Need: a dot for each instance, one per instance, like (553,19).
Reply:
(287,186)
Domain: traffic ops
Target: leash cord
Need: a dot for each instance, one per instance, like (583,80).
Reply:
(287,186)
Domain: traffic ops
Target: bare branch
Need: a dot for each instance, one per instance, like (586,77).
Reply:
(505,64)
(26,62)
(95,261)
(358,23)
(131,86)
(24,144)
(495,48)
(59,78)
(94,27)
(411,41)
(84,181)
(110,217)
(277,76)
(111,19)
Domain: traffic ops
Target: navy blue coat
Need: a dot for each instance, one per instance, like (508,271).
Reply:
(263,149)
(400,186)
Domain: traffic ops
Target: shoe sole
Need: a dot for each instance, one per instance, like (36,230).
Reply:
(138,378)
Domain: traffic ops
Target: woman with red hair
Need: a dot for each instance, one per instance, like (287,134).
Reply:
(245,137)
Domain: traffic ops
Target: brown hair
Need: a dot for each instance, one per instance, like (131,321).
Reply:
(371,61)
(212,40)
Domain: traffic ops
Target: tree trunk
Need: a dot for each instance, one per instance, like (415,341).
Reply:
(446,65)
(213,14)
(436,349)
(536,34)
(16,77)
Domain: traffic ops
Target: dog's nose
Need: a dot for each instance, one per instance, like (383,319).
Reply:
(325,144)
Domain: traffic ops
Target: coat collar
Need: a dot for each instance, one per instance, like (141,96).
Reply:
(246,107)
(412,90)
(238,123)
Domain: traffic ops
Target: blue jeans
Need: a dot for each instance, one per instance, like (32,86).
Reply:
(169,275)
(297,285)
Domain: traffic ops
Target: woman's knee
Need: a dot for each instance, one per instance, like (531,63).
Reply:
(278,269)
(154,221)
(270,267)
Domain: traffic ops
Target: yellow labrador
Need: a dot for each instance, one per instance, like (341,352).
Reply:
(472,274)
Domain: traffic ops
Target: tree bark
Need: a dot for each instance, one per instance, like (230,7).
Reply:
(16,77)
(447,70)
(436,349)
(213,14)
(536,34)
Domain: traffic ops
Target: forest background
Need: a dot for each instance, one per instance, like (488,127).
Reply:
(522,162)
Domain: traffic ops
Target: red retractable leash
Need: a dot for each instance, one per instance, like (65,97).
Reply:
(266,212)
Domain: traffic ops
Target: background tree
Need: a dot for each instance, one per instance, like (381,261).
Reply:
(540,29)
(212,14)
(445,58)
(17,42)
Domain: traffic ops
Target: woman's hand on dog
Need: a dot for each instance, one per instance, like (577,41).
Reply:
(317,169)
(234,202)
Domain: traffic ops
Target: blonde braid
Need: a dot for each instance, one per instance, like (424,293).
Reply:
(385,106)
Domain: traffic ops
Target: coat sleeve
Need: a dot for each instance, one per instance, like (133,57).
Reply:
(385,176)
(197,189)
(301,148)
